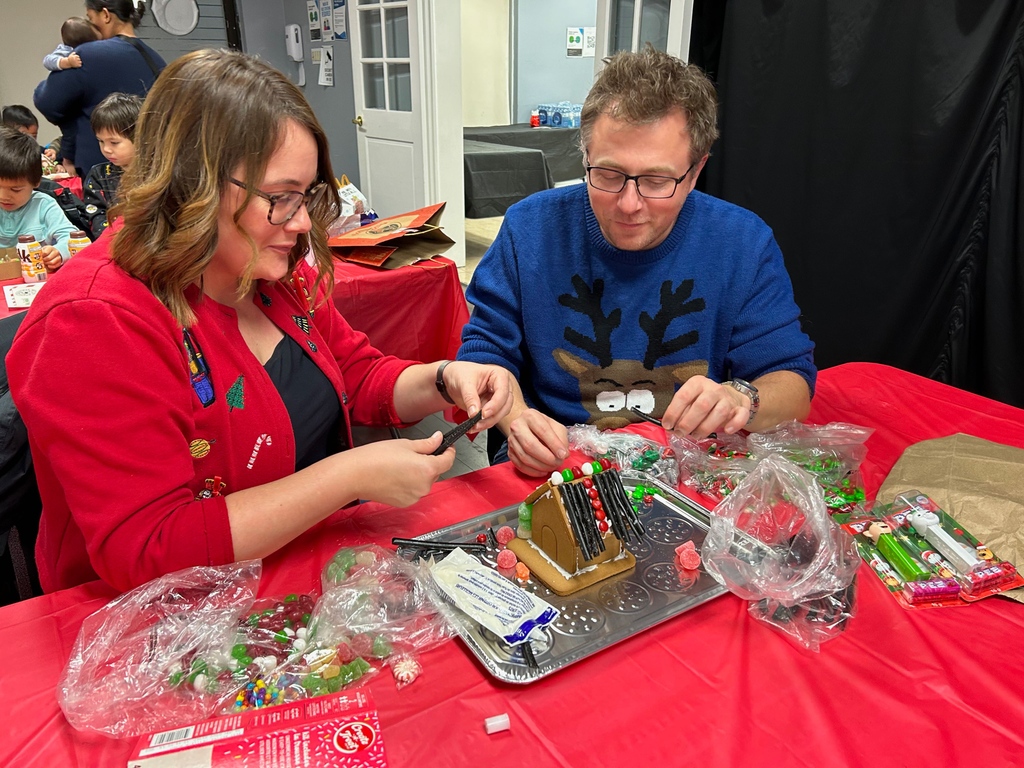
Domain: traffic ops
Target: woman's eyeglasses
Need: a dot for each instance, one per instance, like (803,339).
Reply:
(285,205)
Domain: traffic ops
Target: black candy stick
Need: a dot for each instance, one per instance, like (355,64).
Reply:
(456,432)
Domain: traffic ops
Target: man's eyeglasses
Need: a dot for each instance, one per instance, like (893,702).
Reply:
(647,185)
(285,205)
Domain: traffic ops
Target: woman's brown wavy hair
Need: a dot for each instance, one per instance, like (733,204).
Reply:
(209,113)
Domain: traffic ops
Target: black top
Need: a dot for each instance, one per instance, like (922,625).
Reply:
(311,401)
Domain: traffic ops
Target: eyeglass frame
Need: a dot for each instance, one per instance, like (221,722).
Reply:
(307,198)
(626,178)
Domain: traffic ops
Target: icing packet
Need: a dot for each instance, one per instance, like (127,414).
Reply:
(487,597)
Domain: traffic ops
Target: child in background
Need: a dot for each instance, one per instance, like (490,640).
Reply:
(23,210)
(20,118)
(73,33)
(113,122)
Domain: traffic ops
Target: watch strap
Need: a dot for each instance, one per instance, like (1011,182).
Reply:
(439,382)
(748,389)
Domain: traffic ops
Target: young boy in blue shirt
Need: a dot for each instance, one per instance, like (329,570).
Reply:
(23,210)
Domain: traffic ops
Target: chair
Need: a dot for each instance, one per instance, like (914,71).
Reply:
(20,506)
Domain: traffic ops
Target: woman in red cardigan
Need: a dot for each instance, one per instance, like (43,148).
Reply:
(187,384)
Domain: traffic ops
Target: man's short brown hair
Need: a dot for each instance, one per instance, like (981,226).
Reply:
(644,87)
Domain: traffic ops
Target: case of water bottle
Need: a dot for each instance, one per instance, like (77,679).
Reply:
(564,114)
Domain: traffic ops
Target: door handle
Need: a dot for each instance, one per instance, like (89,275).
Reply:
(358,120)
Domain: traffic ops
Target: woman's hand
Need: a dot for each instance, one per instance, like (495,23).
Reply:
(400,472)
(475,387)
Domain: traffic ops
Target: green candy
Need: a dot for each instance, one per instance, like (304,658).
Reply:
(381,647)
(175,679)
(291,598)
(567,475)
(238,651)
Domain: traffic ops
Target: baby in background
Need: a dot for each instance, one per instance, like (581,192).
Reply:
(113,121)
(73,33)
(23,210)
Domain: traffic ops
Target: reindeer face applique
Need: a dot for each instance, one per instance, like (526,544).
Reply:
(609,389)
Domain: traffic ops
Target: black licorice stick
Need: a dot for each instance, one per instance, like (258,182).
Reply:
(570,512)
(439,545)
(587,513)
(581,505)
(623,510)
(604,484)
(631,514)
(456,432)
(528,657)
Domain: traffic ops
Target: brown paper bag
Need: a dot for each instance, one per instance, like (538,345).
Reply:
(978,482)
(395,241)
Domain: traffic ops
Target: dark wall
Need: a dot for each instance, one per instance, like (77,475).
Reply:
(882,143)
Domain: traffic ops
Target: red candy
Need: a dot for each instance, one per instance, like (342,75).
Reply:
(481,538)
(687,556)
(507,559)
(504,535)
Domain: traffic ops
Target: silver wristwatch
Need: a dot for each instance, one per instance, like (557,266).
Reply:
(748,389)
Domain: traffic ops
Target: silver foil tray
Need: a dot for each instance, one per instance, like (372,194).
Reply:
(605,613)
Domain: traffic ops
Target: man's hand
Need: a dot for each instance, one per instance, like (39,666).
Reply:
(537,444)
(51,257)
(702,406)
(69,167)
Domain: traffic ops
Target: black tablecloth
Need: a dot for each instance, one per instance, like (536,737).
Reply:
(499,175)
(560,145)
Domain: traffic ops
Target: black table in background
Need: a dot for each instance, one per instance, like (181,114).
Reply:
(497,175)
(560,145)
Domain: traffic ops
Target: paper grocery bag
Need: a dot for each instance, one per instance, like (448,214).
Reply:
(976,481)
(395,241)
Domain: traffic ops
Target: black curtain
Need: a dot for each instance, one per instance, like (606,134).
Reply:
(882,142)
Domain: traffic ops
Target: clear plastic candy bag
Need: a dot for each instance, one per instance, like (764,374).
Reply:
(375,611)
(126,668)
(627,451)
(832,452)
(712,466)
(772,542)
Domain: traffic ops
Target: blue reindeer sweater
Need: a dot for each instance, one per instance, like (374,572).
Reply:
(591,331)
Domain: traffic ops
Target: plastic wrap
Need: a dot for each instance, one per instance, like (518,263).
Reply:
(772,542)
(126,667)
(375,611)
(627,451)
(712,466)
(832,452)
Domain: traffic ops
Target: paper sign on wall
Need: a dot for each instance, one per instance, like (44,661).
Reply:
(574,41)
(589,42)
(340,29)
(313,11)
(326,65)
(327,19)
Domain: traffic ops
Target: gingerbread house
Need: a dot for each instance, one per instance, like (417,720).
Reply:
(573,530)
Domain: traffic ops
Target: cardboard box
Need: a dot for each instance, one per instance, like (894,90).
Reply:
(395,241)
(10,264)
(339,730)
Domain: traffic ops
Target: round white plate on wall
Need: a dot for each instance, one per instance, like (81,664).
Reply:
(179,17)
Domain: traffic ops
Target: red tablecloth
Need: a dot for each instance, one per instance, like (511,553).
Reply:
(414,312)
(710,687)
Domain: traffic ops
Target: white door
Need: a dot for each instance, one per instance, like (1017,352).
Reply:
(627,25)
(406,71)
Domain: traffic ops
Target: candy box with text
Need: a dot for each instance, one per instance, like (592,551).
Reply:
(336,731)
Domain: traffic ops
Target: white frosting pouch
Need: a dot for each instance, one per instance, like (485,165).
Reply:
(487,597)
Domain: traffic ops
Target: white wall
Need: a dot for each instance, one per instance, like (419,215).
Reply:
(485,62)
(544,72)
(30,31)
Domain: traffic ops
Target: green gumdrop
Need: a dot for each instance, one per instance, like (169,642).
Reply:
(175,679)
(291,598)
(381,647)
(238,651)
(335,683)
(567,475)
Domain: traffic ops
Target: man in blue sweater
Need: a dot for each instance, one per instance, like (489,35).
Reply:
(634,290)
